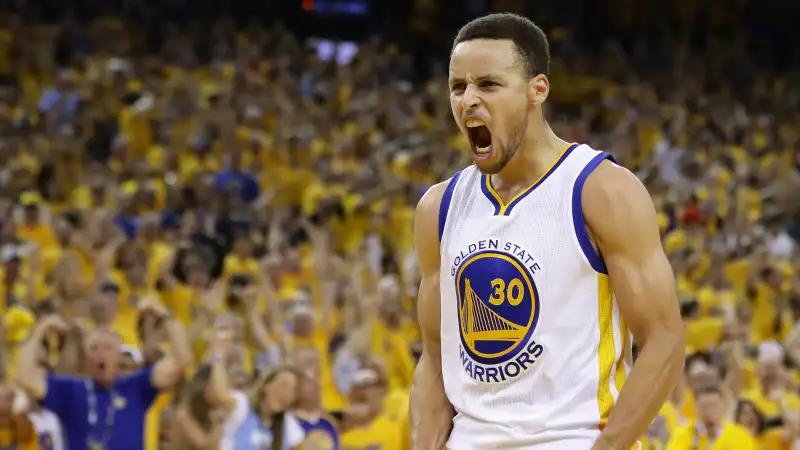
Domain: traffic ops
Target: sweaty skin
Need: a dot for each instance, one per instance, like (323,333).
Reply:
(431,412)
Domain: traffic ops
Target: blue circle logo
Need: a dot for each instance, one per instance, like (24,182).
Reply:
(319,440)
(498,306)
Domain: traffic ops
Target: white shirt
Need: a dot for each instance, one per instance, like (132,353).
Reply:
(48,430)
(257,439)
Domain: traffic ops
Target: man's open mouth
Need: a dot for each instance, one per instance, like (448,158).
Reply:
(479,135)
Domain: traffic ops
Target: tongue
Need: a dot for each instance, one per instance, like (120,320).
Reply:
(483,138)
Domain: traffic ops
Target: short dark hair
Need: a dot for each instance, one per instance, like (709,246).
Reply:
(529,40)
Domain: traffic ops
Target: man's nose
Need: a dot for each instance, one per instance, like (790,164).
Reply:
(470,100)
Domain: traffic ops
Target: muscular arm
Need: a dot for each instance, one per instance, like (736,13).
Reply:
(431,413)
(622,219)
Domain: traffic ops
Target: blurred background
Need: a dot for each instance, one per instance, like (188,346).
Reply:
(258,164)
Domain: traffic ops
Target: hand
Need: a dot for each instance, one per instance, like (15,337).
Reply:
(53,323)
(221,341)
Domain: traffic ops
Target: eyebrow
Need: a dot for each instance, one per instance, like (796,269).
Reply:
(478,79)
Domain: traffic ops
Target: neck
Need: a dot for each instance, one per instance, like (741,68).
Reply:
(711,427)
(306,413)
(105,382)
(266,417)
(537,152)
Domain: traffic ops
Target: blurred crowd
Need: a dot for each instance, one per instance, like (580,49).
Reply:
(239,209)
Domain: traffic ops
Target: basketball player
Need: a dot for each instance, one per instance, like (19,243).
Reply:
(540,263)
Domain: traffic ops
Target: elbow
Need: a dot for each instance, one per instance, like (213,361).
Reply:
(669,344)
(678,353)
(674,347)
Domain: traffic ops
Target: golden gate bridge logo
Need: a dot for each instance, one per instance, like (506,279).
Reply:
(480,323)
(498,306)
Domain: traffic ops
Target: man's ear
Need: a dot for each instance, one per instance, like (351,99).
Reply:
(538,89)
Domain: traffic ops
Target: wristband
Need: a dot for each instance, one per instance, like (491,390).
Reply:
(215,358)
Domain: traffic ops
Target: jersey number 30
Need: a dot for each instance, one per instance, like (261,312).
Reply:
(514,292)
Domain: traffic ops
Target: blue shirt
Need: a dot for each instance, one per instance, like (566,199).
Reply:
(243,429)
(68,398)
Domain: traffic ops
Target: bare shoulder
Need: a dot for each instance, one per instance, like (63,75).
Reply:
(616,205)
(428,205)
(426,228)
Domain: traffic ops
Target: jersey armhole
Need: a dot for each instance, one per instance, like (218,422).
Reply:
(444,207)
(578,221)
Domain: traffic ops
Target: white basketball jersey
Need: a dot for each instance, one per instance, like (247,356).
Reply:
(534,350)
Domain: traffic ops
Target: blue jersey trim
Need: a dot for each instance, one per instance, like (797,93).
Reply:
(444,207)
(578,222)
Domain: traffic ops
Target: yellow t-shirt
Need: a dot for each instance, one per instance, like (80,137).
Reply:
(152,420)
(766,317)
(396,409)
(710,299)
(736,272)
(768,407)
(8,438)
(381,434)
(732,437)
(180,301)
(392,347)
(41,234)
(125,326)
(773,439)
(688,409)
(703,333)
(235,266)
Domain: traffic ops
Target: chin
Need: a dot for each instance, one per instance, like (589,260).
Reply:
(489,168)
(494,164)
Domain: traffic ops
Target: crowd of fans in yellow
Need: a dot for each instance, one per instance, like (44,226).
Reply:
(275,191)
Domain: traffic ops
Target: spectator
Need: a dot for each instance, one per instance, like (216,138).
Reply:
(114,408)
(234,171)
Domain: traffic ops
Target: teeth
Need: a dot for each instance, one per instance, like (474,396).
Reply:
(483,150)
(472,123)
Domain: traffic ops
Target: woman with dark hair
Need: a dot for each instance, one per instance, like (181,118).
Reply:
(262,421)
(772,433)
(747,415)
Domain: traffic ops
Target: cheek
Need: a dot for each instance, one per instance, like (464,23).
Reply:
(455,107)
